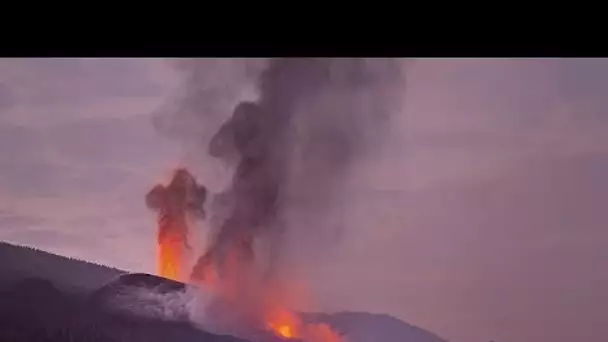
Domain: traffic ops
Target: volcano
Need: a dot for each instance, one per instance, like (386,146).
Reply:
(46,297)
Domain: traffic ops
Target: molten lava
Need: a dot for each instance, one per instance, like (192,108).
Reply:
(288,325)
(171,252)
(283,323)
(284,330)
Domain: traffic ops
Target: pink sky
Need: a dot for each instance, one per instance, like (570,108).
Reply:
(481,218)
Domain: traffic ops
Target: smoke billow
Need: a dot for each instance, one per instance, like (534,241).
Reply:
(290,148)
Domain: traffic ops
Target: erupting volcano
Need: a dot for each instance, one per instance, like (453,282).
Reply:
(233,279)
(277,147)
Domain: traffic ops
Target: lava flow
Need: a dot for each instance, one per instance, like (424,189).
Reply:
(284,323)
(288,325)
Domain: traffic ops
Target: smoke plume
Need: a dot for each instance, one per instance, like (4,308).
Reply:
(289,140)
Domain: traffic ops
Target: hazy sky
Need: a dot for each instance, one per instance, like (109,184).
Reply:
(482,217)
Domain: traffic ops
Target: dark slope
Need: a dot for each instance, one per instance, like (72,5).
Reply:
(34,310)
(18,262)
(143,295)
(45,297)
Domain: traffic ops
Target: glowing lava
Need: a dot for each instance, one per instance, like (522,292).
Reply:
(170,252)
(283,323)
(288,325)
(285,331)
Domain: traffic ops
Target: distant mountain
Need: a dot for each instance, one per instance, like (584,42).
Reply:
(366,327)
(46,297)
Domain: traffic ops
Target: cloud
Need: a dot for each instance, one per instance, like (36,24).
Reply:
(47,179)
(482,259)
(12,221)
(47,91)
(7,99)
(19,143)
(50,81)
(103,141)
(77,151)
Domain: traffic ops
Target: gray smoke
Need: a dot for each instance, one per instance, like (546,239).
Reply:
(291,148)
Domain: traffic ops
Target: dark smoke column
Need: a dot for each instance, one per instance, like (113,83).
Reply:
(290,149)
(173,203)
(253,194)
(256,135)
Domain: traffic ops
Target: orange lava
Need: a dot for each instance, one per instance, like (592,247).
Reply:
(285,331)
(283,323)
(170,257)
(288,325)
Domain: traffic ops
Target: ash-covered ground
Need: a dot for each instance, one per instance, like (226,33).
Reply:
(45,297)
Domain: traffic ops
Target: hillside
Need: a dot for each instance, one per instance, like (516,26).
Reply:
(19,262)
(52,298)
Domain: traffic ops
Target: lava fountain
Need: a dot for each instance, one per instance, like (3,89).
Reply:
(174,204)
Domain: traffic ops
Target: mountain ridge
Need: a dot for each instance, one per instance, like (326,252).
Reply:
(72,274)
